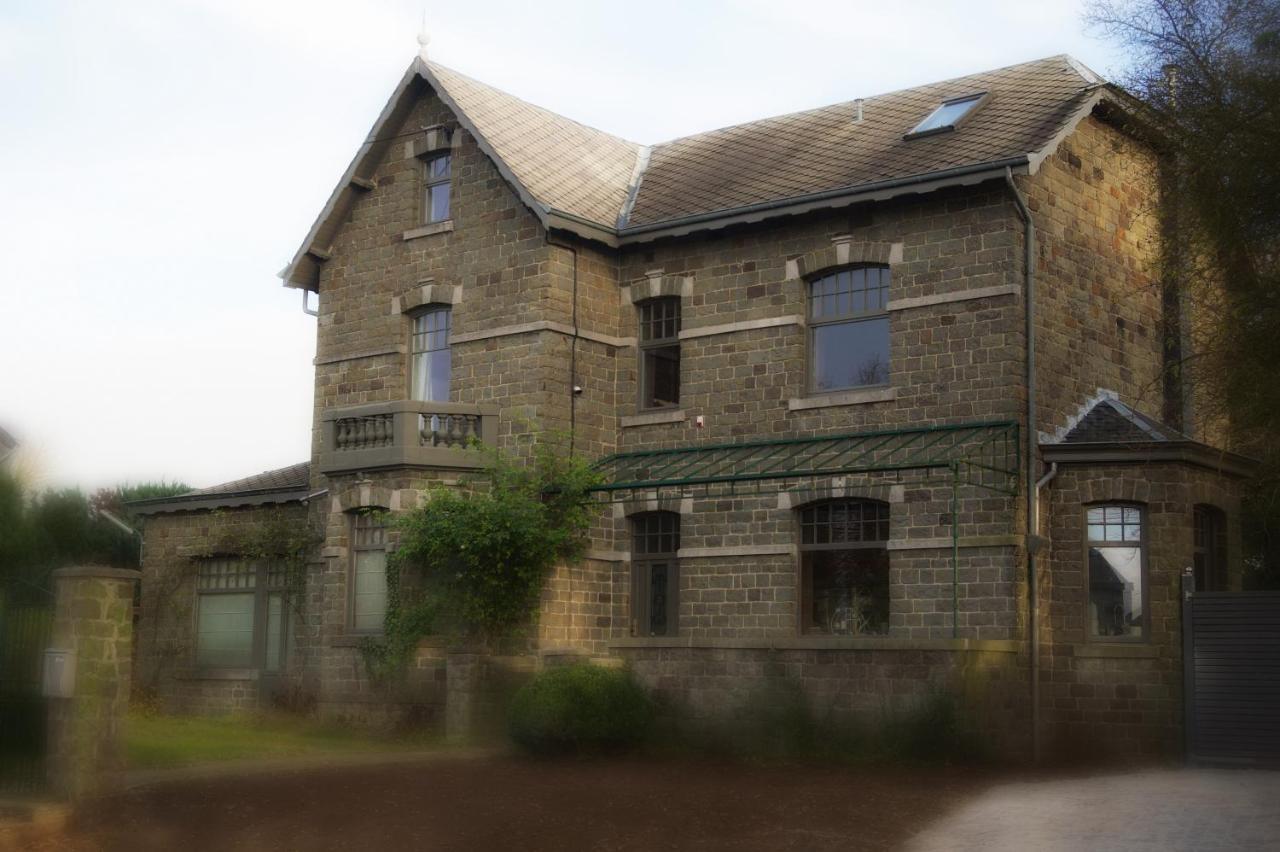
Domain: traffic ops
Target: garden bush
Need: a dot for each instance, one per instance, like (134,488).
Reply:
(580,709)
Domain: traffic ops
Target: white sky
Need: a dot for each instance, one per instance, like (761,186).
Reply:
(161,160)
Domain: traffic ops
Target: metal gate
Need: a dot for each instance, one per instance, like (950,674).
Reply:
(1231,669)
(26,622)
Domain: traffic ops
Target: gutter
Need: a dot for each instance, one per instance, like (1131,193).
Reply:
(196,502)
(1033,589)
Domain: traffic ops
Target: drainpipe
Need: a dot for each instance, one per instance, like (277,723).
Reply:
(574,388)
(1033,591)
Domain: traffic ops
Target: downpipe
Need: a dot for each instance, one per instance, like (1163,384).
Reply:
(1033,587)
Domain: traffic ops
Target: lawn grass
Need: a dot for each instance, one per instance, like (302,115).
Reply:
(156,741)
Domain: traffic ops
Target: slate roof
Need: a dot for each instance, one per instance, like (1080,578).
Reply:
(1110,421)
(608,188)
(282,485)
(825,149)
(565,165)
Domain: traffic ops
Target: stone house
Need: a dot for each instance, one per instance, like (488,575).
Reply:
(878,389)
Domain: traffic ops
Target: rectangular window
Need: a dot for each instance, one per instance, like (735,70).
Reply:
(241,614)
(1116,569)
(849,329)
(660,353)
(368,573)
(844,567)
(430,357)
(437,174)
(655,590)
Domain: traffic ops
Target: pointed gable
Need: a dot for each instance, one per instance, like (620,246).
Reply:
(565,166)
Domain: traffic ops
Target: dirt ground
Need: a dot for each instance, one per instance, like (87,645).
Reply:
(509,803)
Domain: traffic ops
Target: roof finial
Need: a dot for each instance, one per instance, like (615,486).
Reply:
(424,37)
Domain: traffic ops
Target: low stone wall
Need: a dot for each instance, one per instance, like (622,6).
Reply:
(716,685)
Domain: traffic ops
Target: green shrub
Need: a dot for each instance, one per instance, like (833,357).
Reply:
(580,709)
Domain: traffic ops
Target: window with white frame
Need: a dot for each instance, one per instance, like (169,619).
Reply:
(368,596)
(1116,566)
(848,321)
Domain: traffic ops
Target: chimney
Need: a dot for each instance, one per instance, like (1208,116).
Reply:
(857,110)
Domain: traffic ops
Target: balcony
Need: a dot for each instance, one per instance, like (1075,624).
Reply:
(405,433)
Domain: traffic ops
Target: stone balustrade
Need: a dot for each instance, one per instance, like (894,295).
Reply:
(405,433)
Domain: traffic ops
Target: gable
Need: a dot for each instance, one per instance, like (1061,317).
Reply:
(581,180)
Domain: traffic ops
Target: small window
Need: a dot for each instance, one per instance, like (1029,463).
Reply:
(437,173)
(655,587)
(431,360)
(660,352)
(849,329)
(368,572)
(240,615)
(1210,553)
(947,115)
(844,566)
(1116,566)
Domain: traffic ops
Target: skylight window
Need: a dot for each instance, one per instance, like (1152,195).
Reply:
(947,115)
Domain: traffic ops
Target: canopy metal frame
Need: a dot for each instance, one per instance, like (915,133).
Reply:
(984,455)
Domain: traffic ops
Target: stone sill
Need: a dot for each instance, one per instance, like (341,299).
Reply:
(353,640)
(821,643)
(652,418)
(1115,651)
(861,396)
(428,230)
(218,674)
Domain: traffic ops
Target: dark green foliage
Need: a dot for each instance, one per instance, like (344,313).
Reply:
(778,722)
(580,709)
(484,551)
(54,529)
(1208,73)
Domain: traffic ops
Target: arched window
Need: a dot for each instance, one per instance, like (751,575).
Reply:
(655,573)
(1210,548)
(660,352)
(1115,545)
(849,329)
(844,567)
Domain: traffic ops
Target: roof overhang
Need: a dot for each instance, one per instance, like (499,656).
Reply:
(980,454)
(207,502)
(1179,452)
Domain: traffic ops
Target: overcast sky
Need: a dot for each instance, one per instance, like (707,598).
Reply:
(161,160)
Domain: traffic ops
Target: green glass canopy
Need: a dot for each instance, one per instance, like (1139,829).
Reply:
(981,454)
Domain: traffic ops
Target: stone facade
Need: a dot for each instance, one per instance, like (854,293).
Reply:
(535,314)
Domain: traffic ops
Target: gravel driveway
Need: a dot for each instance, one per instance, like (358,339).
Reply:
(1200,809)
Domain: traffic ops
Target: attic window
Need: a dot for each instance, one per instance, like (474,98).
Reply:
(948,115)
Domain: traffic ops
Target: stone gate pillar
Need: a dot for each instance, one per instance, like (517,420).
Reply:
(93,618)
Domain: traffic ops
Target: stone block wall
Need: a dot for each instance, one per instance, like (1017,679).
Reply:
(1122,699)
(1099,317)
(172,545)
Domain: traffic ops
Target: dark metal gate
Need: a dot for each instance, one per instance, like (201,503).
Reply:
(1231,667)
(26,621)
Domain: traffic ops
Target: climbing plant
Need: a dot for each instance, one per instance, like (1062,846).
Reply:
(473,559)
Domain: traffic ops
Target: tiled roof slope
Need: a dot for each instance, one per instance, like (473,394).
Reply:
(565,165)
(1110,421)
(825,149)
(293,477)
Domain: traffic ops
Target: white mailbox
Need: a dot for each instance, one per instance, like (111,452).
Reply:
(59,673)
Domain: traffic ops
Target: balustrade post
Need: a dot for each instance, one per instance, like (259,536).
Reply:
(405,425)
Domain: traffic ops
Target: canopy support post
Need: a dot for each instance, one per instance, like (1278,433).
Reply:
(955,552)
